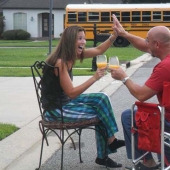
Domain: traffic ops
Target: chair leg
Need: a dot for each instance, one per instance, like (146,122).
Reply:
(74,146)
(42,145)
(42,129)
(62,148)
(79,133)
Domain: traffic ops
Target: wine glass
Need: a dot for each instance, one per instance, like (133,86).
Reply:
(114,63)
(101,61)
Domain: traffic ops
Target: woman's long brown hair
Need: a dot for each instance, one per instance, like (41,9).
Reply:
(66,49)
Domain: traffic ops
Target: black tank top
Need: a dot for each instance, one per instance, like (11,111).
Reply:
(52,93)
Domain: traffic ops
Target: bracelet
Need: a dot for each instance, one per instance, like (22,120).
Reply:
(125,79)
(110,39)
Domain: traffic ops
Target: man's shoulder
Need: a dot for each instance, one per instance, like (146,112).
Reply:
(165,62)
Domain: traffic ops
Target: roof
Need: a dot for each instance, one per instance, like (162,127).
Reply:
(44,4)
(118,6)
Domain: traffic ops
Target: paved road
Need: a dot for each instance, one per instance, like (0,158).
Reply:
(121,99)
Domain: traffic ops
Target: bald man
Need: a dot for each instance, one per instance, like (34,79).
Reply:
(157,43)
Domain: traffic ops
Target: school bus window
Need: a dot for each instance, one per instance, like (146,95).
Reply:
(71,16)
(117,13)
(93,16)
(156,15)
(135,15)
(146,15)
(105,16)
(125,16)
(82,16)
(166,15)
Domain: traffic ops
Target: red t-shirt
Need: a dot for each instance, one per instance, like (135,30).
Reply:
(161,73)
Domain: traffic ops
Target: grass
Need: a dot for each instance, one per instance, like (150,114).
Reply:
(14,59)
(30,43)
(6,130)
(21,57)
(24,57)
(12,65)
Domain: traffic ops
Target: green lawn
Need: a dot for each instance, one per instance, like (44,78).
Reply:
(27,52)
(31,43)
(6,130)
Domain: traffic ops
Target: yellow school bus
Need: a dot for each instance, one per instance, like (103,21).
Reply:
(137,19)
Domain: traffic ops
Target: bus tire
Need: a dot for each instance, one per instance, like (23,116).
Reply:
(121,42)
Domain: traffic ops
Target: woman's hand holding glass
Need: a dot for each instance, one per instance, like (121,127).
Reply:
(114,63)
(100,72)
(101,62)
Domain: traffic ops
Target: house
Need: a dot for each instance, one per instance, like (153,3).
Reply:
(33,15)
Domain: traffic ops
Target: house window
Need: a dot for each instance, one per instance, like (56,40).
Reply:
(20,21)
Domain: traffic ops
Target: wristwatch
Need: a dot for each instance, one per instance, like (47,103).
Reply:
(125,79)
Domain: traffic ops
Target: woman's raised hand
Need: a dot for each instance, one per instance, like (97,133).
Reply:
(117,27)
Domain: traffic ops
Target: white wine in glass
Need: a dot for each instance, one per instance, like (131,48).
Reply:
(114,63)
(101,61)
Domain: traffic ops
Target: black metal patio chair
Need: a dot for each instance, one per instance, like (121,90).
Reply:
(46,127)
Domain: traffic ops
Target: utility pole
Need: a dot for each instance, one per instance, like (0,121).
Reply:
(94,66)
(50,26)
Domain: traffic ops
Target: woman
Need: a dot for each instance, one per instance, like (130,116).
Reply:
(78,106)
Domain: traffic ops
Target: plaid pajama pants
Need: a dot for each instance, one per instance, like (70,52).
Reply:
(87,106)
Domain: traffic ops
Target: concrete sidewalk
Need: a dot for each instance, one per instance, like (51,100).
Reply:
(20,151)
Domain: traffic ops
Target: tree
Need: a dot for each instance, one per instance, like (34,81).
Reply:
(2,24)
(2,18)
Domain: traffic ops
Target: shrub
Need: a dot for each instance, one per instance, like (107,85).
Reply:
(15,35)
(9,35)
(23,35)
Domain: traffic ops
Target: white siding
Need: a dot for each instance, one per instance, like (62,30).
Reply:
(34,27)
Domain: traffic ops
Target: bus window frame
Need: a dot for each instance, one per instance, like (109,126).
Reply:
(157,20)
(105,16)
(93,20)
(146,16)
(126,16)
(72,12)
(115,13)
(135,15)
(81,17)
(163,16)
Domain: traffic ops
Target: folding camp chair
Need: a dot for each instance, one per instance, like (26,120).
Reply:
(46,127)
(148,122)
